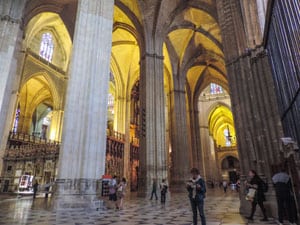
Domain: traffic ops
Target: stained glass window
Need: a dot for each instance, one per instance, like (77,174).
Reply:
(215,89)
(16,122)
(47,46)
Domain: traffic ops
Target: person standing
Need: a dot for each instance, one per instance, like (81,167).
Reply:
(163,190)
(224,184)
(197,189)
(35,188)
(154,188)
(47,189)
(121,193)
(257,183)
(283,189)
(112,190)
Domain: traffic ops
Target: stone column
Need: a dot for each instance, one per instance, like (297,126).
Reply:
(11,12)
(197,156)
(180,137)
(56,125)
(82,154)
(207,158)
(153,161)
(253,99)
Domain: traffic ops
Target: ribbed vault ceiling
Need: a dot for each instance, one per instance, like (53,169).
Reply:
(193,41)
(193,45)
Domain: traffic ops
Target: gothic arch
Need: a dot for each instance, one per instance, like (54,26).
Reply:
(226,156)
(134,18)
(66,9)
(57,98)
(50,22)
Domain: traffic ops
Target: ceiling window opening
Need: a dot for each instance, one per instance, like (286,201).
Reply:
(46,47)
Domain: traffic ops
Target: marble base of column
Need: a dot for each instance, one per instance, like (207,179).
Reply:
(76,193)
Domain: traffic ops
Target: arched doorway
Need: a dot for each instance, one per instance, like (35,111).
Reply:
(230,167)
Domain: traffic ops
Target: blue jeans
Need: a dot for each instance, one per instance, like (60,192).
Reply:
(199,204)
(153,193)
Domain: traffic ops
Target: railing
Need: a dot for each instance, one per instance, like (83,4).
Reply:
(225,149)
(32,151)
(25,145)
(115,135)
(17,139)
(21,145)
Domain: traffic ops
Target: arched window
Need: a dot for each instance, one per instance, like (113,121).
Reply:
(16,122)
(47,46)
(215,89)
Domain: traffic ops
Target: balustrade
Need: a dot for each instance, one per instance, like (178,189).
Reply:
(21,145)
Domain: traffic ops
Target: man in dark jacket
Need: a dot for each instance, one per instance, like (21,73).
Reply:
(35,188)
(196,188)
(283,189)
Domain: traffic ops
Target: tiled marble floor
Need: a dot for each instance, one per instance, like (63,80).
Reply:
(220,210)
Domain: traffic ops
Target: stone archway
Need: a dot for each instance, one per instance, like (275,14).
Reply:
(230,168)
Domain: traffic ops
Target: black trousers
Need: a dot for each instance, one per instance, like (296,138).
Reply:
(261,205)
(153,193)
(284,204)
(198,206)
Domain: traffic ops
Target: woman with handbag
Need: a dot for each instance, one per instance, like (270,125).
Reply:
(256,187)
(121,188)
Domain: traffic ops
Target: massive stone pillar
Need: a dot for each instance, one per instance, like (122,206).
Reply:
(82,154)
(197,156)
(153,161)
(205,150)
(255,111)
(11,12)
(180,166)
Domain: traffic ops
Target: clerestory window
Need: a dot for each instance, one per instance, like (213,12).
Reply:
(47,46)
